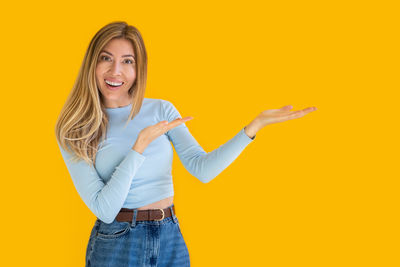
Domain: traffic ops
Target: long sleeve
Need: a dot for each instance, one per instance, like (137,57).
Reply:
(104,200)
(204,166)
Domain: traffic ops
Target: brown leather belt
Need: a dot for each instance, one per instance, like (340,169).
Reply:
(126,215)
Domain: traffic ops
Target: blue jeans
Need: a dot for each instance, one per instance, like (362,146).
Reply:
(137,243)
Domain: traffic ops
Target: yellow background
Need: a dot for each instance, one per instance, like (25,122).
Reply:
(321,190)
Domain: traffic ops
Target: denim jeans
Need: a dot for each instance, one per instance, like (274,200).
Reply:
(137,243)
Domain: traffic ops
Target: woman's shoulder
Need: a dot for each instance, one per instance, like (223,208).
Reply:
(157,101)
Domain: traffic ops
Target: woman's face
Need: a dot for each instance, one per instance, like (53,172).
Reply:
(116,64)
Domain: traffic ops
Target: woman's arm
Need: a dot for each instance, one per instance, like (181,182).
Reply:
(206,166)
(104,200)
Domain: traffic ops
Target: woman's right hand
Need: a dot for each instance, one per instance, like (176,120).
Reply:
(148,134)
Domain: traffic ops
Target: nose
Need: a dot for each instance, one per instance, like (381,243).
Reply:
(115,68)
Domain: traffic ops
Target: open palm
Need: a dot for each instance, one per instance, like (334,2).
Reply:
(282,114)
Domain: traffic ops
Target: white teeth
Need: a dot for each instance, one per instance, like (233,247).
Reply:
(113,84)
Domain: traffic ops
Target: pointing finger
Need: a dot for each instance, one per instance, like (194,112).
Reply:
(309,109)
(177,121)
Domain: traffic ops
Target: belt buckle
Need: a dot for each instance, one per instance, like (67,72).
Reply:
(163,214)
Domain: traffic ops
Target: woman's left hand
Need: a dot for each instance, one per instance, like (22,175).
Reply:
(273,116)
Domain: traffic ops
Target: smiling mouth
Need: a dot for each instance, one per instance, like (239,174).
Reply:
(113,87)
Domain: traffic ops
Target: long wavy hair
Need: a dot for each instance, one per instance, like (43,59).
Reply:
(82,123)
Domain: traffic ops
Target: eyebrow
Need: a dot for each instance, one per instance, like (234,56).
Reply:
(113,55)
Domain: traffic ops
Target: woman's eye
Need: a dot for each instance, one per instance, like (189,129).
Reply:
(106,58)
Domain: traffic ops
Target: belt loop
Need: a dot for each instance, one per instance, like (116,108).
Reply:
(173,214)
(133,223)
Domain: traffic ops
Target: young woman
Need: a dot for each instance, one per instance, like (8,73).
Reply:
(116,145)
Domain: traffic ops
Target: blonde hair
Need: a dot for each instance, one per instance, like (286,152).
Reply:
(82,122)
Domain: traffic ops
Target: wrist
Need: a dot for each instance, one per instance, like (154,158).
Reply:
(252,129)
(250,132)
(139,146)
(138,149)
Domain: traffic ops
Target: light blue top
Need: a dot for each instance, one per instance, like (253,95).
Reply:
(125,178)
